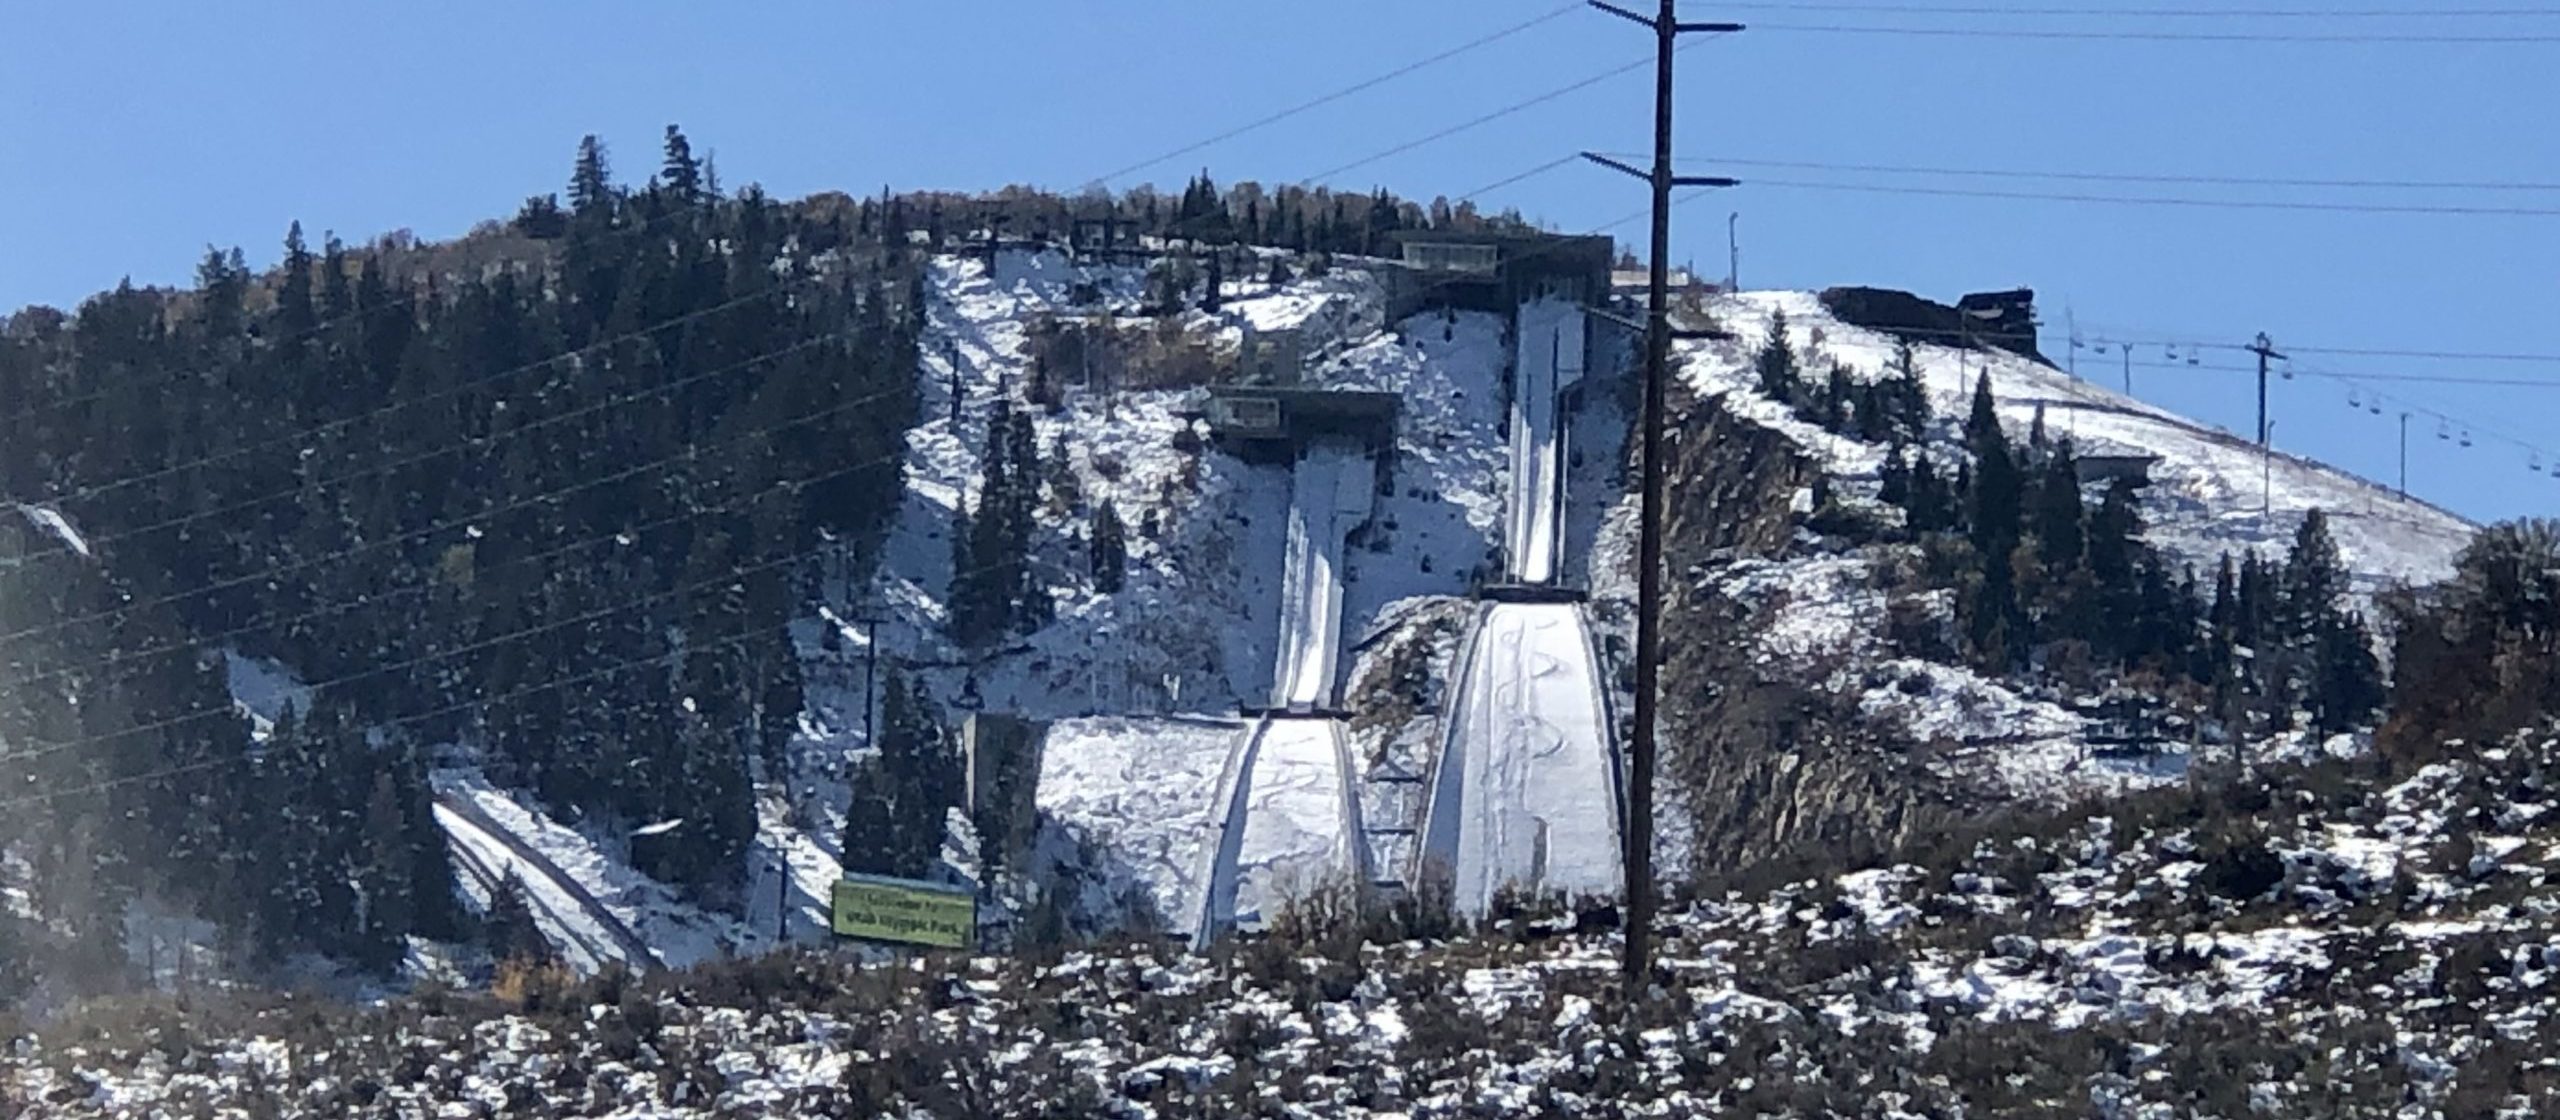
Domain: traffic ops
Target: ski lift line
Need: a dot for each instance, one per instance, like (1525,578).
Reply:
(2135,177)
(525,502)
(483,444)
(376,599)
(2376,38)
(2363,396)
(2356,352)
(2165,200)
(1361,86)
(2412,378)
(2150,13)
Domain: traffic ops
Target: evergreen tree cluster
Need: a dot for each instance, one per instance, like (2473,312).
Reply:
(903,794)
(1893,409)
(2047,578)
(995,589)
(547,491)
(1316,220)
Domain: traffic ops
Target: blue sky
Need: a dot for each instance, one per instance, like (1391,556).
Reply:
(134,135)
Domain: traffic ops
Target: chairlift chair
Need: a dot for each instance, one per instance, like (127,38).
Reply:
(2444,431)
(2376,406)
(2466,437)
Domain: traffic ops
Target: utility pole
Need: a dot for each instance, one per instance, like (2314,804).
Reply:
(2404,454)
(2265,350)
(1638,856)
(870,676)
(1733,252)
(2262,387)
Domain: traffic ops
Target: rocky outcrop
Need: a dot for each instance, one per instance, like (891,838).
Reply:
(1765,768)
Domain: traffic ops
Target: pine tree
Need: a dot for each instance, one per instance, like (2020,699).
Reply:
(1110,550)
(904,794)
(681,177)
(2346,686)
(383,882)
(1908,394)
(295,312)
(591,182)
(1993,508)
(2056,517)
(508,930)
(1893,480)
(1931,506)
(1836,407)
(1777,363)
(870,841)
(2315,581)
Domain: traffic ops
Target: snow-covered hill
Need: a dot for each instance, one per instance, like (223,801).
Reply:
(1828,609)
(2212,492)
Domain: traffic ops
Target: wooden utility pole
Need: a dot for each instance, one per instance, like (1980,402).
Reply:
(2265,350)
(1638,840)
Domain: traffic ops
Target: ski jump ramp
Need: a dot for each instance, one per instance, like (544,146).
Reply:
(1289,817)
(1546,358)
(1334,489)
(1525,792)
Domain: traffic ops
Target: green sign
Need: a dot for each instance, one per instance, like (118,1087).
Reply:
(905,911)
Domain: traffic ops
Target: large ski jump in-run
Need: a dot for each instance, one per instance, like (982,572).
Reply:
(1332,493)
(1546,359)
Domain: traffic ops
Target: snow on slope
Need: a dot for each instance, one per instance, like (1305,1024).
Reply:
(1437,523)
(1130,812)
(1191,630)
(675,932)
(2213,491)
(1526,791)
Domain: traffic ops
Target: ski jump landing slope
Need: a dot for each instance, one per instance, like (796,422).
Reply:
(1526,790)
(1291,824)
(1547,358)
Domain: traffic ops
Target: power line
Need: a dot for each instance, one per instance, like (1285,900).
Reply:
(2163,36)
(624,535)
(738,636)
(1346,91)
(2125,177)
(482,444)
(2152,13)
(1495,115)
(2203,203)
(684,455)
